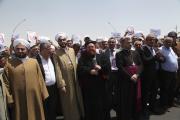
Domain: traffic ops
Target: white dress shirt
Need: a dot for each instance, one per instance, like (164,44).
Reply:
(151,50)
(48,66)
(23,59)
(113,60)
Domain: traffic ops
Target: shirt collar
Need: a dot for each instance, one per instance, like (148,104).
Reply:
(148,47)
(23,59)
(42,58)
(65,49)
(112,50)
(169,48)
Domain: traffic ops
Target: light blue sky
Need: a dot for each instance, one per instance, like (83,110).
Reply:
(88,17)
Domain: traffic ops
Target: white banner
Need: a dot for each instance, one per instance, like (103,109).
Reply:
(116,34)
(130,30)
(156,32)
(15,36)
(138,34)
(32,36)
(76,39)
(1,37)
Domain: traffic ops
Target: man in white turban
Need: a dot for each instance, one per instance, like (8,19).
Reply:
(61,36)
(70,93)
(22,42)
(5,98)
(26,84)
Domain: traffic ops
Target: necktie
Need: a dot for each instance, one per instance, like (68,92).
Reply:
(111,52)
(152,51)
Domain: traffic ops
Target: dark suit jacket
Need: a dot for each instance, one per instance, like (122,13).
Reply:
(149,66)
(105,61)
(41,66)
(149,61)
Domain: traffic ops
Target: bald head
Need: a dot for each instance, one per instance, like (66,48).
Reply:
(168,42)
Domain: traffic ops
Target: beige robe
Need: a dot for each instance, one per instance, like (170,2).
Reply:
(72,105)
(28,89)
(177,51)
(3,100)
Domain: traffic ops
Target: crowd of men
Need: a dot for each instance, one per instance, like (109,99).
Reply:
(135,76)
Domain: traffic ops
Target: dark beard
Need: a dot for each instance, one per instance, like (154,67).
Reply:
(21,56)
(91,55)
(62,45)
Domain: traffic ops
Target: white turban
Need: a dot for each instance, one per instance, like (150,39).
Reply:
(99,39)
(139,35)
(105,39)
(60,36)
(21,41)
(44,39)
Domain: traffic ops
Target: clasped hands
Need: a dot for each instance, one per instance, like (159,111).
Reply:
(95,70)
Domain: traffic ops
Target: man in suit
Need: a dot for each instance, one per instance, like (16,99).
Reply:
(149,76)
(47,66)
(113,81)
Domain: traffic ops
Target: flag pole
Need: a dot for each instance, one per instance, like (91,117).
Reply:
(17,25)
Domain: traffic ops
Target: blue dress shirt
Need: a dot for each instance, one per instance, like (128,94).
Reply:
(171,59)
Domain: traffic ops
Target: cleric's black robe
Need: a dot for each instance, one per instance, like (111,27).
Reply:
(93,86)
(125,60)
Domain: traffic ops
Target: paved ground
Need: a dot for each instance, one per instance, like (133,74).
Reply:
(173,114)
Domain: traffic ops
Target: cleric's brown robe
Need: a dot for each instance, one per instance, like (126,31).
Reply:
(176,49)
(72,105)
(3,100)
(28,89)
